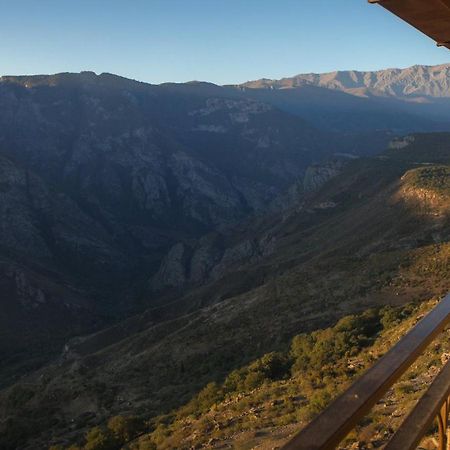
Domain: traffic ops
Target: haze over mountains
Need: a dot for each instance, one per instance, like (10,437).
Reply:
(357,101)
(229,219)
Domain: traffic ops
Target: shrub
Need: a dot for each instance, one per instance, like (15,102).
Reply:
(271,367)
(100,439)
(254,380)
(319,402)
(327,347)
(209,395)
(125,428)
(301,349)
(234,381)
(390,317)
(274,366)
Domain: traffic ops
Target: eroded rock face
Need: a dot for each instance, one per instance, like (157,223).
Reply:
(130,150)
(42,226)
(240,252)
(204,258)
(317,175)
(208,259)
(402,142)
(172,272)
(214,255)
(206,195)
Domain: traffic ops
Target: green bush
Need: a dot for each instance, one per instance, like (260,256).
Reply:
(253,380)
(100,439)
(327,347)
(273,366)
(125,428)
(318,402)
(390,317)
(209,395)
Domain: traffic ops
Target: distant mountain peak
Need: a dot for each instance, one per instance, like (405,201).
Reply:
(418,80)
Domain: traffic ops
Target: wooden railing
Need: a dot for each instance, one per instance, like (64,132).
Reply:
(327,430)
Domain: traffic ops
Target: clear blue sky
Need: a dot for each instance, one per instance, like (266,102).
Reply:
(223,41)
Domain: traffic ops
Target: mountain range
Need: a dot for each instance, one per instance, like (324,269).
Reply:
(417,82)
(157,237)
(357,101)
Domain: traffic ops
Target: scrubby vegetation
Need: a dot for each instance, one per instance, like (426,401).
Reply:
(434,178)
(281,390)
(267,351)
(118,431)
(286,389)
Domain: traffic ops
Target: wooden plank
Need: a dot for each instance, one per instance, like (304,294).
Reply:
(422,416)
(329,428)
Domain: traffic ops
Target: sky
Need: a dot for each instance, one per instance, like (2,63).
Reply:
(221,41)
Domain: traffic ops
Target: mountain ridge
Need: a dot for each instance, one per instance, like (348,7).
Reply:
(392,82)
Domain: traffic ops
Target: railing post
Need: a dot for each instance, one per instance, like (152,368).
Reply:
(447,432)
(442,419)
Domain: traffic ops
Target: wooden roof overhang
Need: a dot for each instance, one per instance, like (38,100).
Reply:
(431,17)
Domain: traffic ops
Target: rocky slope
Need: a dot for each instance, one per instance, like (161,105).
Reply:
(357,242)
(262,404)
(203,206)
(100,176)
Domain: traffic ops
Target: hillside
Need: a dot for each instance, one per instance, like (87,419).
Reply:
(262,404)
(106,176)
(358,243)
(109,187)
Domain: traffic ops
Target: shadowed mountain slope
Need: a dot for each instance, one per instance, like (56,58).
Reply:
(221,215)
(375,234)
(100,176)
(107,184)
